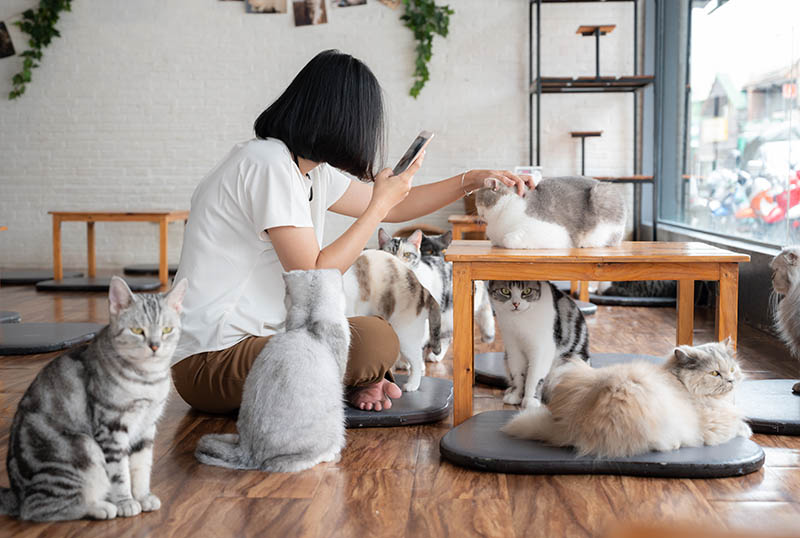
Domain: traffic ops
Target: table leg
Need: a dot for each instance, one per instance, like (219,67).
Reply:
(163,269)
(457,232)
(583,295)
(685,312)
(574,286)
(728,302)
(462,342)
(58,269)
(90,253)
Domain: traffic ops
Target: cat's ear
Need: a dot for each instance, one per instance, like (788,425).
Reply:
(120,296)
(684,359)
(728,343)
(383,237)
(446,239)
(791,257)
(415,238)
(492,183)
(176,294)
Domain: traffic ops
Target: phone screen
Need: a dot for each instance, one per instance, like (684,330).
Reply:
(412,152)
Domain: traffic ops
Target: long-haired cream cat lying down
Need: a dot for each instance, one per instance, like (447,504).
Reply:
(634,408)
(561,212)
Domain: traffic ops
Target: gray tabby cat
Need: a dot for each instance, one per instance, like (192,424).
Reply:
(292,412)
(642,288)
(81,442)
(786,281)
(633,408)
(539,324)
(436,275)
(561,212)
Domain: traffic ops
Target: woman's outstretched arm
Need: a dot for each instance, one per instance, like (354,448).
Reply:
(425,199)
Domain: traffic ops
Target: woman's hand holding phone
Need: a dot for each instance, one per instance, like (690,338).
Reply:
(389,190)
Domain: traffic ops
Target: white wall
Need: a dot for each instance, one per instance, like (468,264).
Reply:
(137,101)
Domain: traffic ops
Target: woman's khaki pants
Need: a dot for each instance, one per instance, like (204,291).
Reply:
(213,381)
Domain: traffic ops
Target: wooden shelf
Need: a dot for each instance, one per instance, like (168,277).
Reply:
(584,134)
(592,84)
(587,30)
(578,1)
(625,179)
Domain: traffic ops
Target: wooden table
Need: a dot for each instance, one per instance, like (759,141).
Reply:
(163,218)
(684,262)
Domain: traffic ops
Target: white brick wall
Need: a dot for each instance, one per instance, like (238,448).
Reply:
(138,100)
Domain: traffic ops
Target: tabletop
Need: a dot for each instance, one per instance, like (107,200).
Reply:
(177,214)
(627,251)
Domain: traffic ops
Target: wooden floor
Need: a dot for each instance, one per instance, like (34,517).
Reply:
(392,482)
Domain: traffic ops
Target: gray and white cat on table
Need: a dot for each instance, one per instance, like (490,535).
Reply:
(561,212)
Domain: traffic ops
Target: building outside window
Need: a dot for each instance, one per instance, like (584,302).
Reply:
(742,149)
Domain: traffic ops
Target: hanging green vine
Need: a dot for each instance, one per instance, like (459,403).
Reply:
(425,18)
(40,24)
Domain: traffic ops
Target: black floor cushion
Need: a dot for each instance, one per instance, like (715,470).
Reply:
(148,269)
(136,283)
(619,300)
(31,338)
(431,403)
(6,316)
(29,277)
(479,444)
(770,406)
(588,309)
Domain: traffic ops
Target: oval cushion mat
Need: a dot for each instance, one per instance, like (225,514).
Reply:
(479,444)
(587,309)
(770,406)
(7,316)
(147,269)
(30,338)
(490,369)
(136,283)
(619,300)
(29,277)
(431,403)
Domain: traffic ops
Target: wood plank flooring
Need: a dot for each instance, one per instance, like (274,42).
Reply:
(392,482)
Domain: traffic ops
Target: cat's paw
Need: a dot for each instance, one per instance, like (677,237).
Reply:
(102,510)
(487,338)
(745,431)
(411,386)
(150,503)
(530,403)
(128,508)
(512,398)
(435,357)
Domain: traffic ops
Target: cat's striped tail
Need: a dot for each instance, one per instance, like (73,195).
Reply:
(222,450)
(9,504)
(434,323)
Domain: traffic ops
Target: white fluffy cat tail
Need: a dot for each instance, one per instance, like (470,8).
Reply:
(535,423)
(222,450)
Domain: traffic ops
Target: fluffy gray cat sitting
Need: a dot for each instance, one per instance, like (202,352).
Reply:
(633,408)
(81,442)
(786,281)
(561,212)
(292,413)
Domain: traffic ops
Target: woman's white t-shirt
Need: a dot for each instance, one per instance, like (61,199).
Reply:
(235,278)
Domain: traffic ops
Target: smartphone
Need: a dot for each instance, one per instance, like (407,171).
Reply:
(413,152)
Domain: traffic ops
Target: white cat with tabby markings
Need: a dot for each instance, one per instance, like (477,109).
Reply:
(425,256)
(539,324)
(561,212)
(81,442)
(378,284)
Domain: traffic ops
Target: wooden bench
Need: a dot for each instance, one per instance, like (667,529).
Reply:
(684,262)
(163,218)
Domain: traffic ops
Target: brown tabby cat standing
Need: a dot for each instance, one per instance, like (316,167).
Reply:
(786,281)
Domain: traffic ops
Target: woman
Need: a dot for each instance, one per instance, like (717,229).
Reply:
(261,211)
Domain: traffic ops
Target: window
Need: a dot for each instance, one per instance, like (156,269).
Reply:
(741,174)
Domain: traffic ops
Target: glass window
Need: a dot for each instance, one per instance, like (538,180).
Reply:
(741,175)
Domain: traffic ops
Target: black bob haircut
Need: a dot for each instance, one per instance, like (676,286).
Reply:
(332,112)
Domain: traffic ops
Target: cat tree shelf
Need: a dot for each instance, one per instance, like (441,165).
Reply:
(610,84)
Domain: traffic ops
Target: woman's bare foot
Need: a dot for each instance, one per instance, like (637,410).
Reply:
(375,397)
